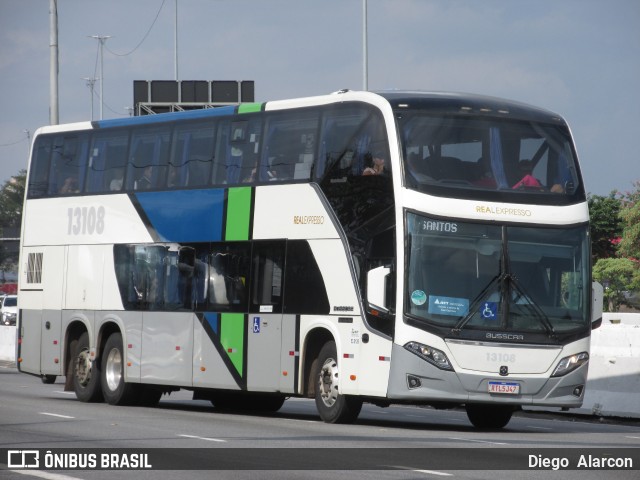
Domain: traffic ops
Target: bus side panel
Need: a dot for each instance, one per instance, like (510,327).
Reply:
(209,368)
(264,337)
(40,299)
(51,361)
(375,356)
(85,276)
(30,335)
(289,354)
(167,348)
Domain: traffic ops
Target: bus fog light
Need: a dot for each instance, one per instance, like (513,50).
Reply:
(569,364)
(432,355)
(413,382)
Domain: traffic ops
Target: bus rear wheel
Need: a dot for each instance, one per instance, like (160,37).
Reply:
(84,371)
(116,391)
(332,406)
(489,417)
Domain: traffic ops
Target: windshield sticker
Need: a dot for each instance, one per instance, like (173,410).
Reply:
(418,297)
(457,307)
(489,310)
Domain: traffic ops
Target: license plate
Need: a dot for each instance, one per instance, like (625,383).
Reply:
(507,388)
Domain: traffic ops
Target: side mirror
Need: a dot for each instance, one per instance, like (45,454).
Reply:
(377,288)
(597,296)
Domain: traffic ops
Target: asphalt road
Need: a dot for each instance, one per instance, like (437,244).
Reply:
(399,442)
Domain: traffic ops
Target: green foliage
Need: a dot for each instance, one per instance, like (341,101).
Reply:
(606,225)
(11,199)
(630,216)
(618,276)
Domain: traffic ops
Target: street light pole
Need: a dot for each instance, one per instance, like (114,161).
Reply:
(102,39)
(90,83)
(365,53)
(53,62)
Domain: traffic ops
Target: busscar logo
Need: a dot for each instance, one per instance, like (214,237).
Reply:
(23,459)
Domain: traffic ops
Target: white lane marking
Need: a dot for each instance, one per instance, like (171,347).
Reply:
(428,472)
(55,415)
(46,475)
(433,472)
(204,438)
(477,441)
(539,428)
(635,438)
(65,393)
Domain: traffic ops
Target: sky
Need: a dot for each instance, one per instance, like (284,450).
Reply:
(578,58)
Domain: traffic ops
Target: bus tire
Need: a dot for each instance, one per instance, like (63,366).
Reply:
(332,406)
(85,372)
(489,417)
(48,379)
(116,391)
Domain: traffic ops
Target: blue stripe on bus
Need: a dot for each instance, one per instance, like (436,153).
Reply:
(185,215)
(165,117)
(213,319)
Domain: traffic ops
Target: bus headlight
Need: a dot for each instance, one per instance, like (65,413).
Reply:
(432,355)
(569,364)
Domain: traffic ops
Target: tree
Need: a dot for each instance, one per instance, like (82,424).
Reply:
(606,225)
(11,199)
(618,276)
(619,273)
(630,216)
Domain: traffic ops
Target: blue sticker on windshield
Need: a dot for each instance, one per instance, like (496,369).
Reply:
(489,310)
(418,297)
(457,307)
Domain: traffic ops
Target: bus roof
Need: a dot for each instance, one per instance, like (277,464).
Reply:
(435,102)
(466,103)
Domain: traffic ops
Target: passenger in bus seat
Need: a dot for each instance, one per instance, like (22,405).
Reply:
(116,183)
(70,185)
(144,182)
(377,164)
(528,180)
(485,177)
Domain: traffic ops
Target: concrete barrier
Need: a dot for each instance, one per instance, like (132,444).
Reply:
(7,343)
(613,384)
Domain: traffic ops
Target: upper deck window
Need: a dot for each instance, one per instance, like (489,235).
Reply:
(489,158)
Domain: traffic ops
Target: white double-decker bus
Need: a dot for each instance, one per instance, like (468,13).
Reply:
(420,248)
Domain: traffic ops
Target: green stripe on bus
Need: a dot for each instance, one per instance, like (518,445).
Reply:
(238,213)
(249,107)
(232,333)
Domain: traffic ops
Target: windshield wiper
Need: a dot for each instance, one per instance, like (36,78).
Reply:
(533,307)
(497,280)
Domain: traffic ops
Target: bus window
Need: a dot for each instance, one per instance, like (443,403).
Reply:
(148,158)
(237,151)
(306,292)
(191,156)
(68,164)
(107,162)
(40,165)
(229,276)
(289,147)
(266,277)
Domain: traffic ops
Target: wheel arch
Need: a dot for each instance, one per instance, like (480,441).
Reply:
(313,343)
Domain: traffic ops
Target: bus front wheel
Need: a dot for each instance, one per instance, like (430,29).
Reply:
(332,406)
(84,371)
(116,390)
(490,417)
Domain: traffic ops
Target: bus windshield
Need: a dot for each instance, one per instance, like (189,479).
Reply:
(492,277)
(489,158)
